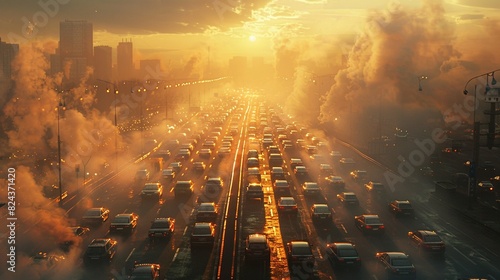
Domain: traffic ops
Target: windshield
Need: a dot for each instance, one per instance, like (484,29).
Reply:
(432,238)
(302,251)
(348,253)
(151,187)
(401,262)
(121,220)
(322,209)
(160,224)
(372,220)
(202,231)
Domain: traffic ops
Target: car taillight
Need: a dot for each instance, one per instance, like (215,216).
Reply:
(341,260)
(382,226)
(367,226)
(282,207)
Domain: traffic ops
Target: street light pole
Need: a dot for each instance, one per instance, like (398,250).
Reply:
(59,107)
(420,78)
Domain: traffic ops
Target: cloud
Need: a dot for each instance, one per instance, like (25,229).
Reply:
(129,16)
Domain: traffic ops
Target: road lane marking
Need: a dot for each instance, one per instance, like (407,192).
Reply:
(464,255)
(185,229)
(129,255)
(175,255)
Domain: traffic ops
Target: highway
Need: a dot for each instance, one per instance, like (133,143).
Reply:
(470,250)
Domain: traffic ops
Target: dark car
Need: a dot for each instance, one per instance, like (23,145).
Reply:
(325,170)
(199,166)
(396,264)
(124,223)
(294,162)
(253,174)
(401,208)
(145,271)
(301,172)
(300,253)
(375,187)
(142,174)
(321,213)
(358,175)
(162,228)
(335,182)
(97,215)
(183,188)
(100,250)
(152,190)
(168,174)
(369,223)
(257,248)
(485,188)
(277,173)
(310,189)
(207,212)
(253,154)
(343,254)
(176,166)
(275,160)
(252,162)
(255,191)
(202,234)
(281,187)
(427,241)
(348,198)
(287,204)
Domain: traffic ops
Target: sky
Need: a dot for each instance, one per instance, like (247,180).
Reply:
(173,27)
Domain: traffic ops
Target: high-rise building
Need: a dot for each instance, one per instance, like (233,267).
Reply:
(7,54)
(75,48)
(103,63)
(124,60)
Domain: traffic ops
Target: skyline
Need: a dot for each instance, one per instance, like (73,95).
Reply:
(196,26)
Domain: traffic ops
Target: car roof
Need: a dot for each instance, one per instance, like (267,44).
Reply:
(207,204)
(402,201)
(99,242)
(370,216)
(124,215)
(343,245)
(257,238)
(394,255)
(319,205)
(300,243)
(202,225)
(427,232)
(348,193)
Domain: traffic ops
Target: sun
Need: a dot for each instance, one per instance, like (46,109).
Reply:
(252,38)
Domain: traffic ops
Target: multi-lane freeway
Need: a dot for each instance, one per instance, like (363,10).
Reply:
(470,252)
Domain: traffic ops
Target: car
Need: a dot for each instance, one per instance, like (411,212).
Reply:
(252,162)
(183,188)
(253,154)
(396,264)
(277,173)
(485,188)
(358,175)
(163,154)
(145,271)
(224,151)
(401,208)
(78,232)
(346,162)
(335,182)
(281,186)
(287,204)
(214,182)
(427,241)
(375,187)
(300,253)
(294,162)
(325,170)
(168,174)
(47,266)
(142,174)
(348,198)
(126,222)
(255,191)
(335,155)
(257,248)
(96,215)
(275,160)
(183,154)
(100,250)
(205,153)
(310,188)
(209,145)
(312,150)
(207,212)
(199,166)
(176,166)
(321,213)
(152,190)
(267,142)
(253,174)
(343,254)
(202,234)
(427,171)
(273,150)
(301,172)
(162,228)
(369,223)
